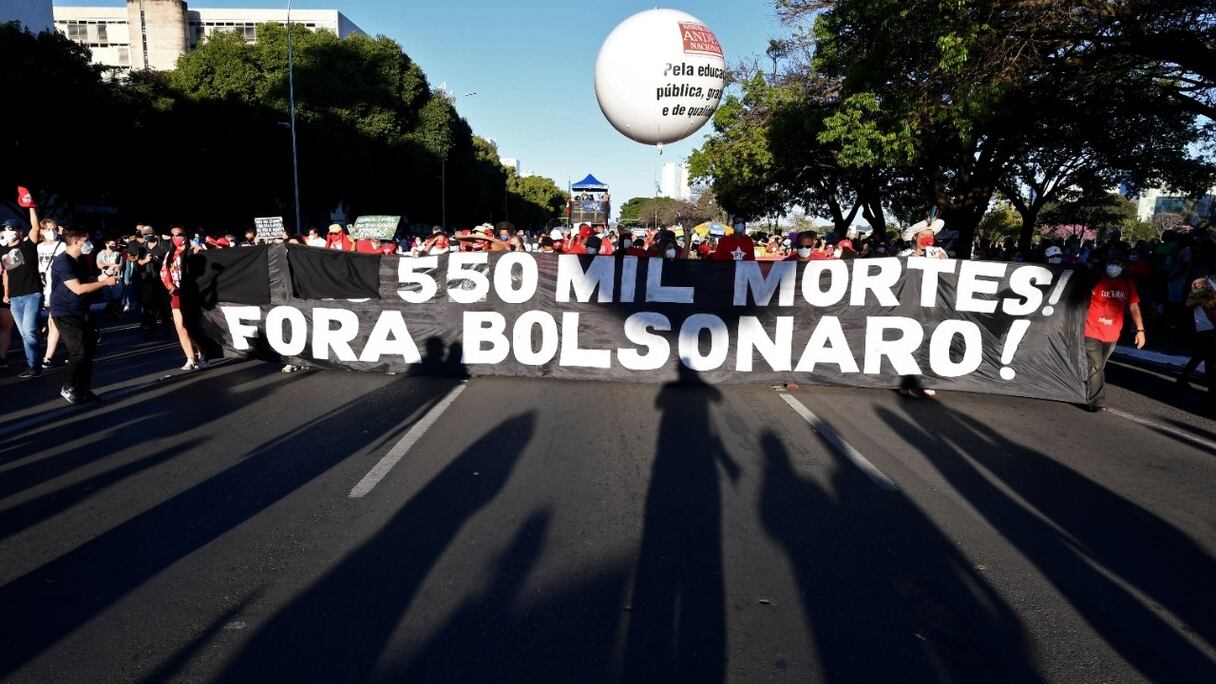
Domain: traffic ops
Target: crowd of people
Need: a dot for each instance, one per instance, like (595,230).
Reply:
(54,275)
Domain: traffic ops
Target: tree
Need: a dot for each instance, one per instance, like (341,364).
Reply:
(534,200)
(1089,214)
(1166,222)
(1000,223)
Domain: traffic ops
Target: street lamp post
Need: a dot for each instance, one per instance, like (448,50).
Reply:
(291,99)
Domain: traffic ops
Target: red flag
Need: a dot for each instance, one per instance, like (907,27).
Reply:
(24,198)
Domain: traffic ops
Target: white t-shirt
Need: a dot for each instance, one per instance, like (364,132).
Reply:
(315,241)
(47,251)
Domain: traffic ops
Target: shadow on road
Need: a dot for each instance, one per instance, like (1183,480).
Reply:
(336,630)
(677,620)
(886,595)
(1085,539)
(50,602)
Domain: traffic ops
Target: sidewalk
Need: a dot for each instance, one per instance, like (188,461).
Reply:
(1157,360)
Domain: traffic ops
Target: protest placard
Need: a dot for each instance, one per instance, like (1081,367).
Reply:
(375,227)
(269,228)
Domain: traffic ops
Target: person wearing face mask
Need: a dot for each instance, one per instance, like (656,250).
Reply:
(921,237)
(172,276)
(1111,295)
(1054,255)
(736,247)
(805,247)
(70,287)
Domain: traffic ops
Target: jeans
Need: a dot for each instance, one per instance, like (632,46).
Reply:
(25,312)
(1098,353)
(79,335)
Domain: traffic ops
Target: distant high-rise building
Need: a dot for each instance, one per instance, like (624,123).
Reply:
(674,183)
(34,15)
(1153,201)
(511,162)
(152,34)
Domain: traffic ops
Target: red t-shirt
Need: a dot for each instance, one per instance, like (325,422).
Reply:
(1110,297)
(606,248)
(735,248)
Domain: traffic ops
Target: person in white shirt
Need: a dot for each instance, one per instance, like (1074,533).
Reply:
(314,238)
(48,249)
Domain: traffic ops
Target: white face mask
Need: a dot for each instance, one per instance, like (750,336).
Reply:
(86,247)
(1114,270)
(805,252)
(1054,260)
(8,238)
(670,254)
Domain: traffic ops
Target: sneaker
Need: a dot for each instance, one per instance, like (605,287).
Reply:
(288,368)
(190,366)
(202,362)
(30,372)
(70,396)
(90,396)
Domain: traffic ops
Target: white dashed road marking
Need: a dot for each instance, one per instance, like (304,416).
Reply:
(377,473)
(829,435)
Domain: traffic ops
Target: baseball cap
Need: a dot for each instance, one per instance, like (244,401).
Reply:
(585,231)
(1053,251)
(555,234)
(335,228)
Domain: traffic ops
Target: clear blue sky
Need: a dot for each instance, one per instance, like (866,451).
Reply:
(532,65)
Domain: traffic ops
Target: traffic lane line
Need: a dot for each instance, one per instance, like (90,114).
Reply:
(1181,434)
(829,435)
(407,442)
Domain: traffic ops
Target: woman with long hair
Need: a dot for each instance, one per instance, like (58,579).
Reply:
(171,276)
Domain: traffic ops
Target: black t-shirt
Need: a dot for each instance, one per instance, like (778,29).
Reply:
(25,279)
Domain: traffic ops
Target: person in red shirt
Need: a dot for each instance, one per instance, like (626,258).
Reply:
(1113,293)
(338,239)
(804,249)
(736,247)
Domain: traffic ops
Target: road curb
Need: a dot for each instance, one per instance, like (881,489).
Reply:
(1164,363)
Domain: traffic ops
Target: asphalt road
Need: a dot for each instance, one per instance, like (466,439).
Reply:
(200,527)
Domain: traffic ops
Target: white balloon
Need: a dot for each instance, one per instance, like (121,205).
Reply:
(659,76)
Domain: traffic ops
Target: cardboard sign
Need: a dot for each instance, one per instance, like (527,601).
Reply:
(269,228)
(375,227)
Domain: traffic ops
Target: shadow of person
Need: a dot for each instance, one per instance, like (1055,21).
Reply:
(1099,550)
(486,617)
(335,630)
(436,362)
(886,595)
(677,621)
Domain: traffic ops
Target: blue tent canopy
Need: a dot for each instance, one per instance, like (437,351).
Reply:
(589,183)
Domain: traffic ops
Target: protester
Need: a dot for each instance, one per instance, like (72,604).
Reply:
(23,290)
(805,247)
(736,247)
(172,275)
(1202,301)
(154,300)
(70,286)
(314,238)
(110,259)
(921,237)
(338,239)
(1112,293)
(50,247)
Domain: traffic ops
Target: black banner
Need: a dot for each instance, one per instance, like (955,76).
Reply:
(976,326)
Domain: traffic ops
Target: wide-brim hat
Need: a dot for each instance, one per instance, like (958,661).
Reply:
(912,230)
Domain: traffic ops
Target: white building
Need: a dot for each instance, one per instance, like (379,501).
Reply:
(674,182)
(511,162)
(167,29)
(34,15)
(1153,201)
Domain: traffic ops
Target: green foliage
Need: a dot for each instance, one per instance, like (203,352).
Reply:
(1000,223)
(208,143)
(1102,212)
